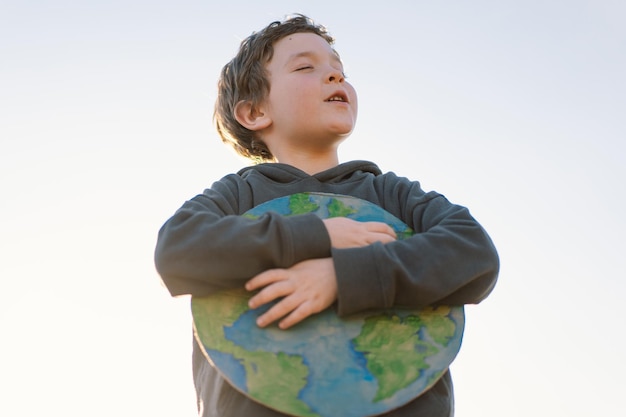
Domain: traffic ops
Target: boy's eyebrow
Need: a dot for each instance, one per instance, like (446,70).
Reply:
(308,54)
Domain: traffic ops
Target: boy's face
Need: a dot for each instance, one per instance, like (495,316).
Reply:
(309,103)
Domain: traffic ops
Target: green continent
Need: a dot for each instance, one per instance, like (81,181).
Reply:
(274,379)
(300,204)
(394,351)
(212,314)
(438,324)
(338,209)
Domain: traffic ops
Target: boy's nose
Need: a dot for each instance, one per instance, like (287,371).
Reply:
(335,76)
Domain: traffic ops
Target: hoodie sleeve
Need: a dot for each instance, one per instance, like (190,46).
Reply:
(449,260)
(207,245)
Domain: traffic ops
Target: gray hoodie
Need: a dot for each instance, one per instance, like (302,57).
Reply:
(207,245)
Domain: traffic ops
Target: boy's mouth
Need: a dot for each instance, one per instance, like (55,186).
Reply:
(338,96)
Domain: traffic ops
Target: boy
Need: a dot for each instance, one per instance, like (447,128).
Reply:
(284,101)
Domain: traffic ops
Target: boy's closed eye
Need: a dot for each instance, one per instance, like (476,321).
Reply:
(310,67)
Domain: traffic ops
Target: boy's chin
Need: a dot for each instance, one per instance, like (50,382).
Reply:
(342,130)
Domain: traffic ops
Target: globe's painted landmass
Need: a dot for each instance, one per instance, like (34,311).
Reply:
(358,366)
(383,337)
(287,373)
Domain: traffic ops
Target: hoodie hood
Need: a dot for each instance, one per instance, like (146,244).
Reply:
(285,174)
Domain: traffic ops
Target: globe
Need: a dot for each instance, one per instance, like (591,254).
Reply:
(326,366)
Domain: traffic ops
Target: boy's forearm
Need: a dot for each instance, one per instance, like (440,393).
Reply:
(454,262)
(199,251)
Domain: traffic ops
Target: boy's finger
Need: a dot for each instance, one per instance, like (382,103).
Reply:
(380,227)
(281,309)
(384,238)
(295,317)
(270,293)
(265,278)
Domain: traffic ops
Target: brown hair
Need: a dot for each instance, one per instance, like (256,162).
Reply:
(245,78)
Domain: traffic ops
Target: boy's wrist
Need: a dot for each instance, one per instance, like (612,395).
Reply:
(310,239)
(358,289)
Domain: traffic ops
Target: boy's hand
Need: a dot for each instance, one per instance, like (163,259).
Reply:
(310,286)
(307,288)
(347,233)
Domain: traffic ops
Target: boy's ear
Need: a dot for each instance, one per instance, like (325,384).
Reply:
(250,116)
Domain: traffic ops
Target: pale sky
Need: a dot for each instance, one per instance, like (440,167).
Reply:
(514,109)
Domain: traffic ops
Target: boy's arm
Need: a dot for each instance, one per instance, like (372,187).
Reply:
(311,286)
(449,260)
(207,245)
